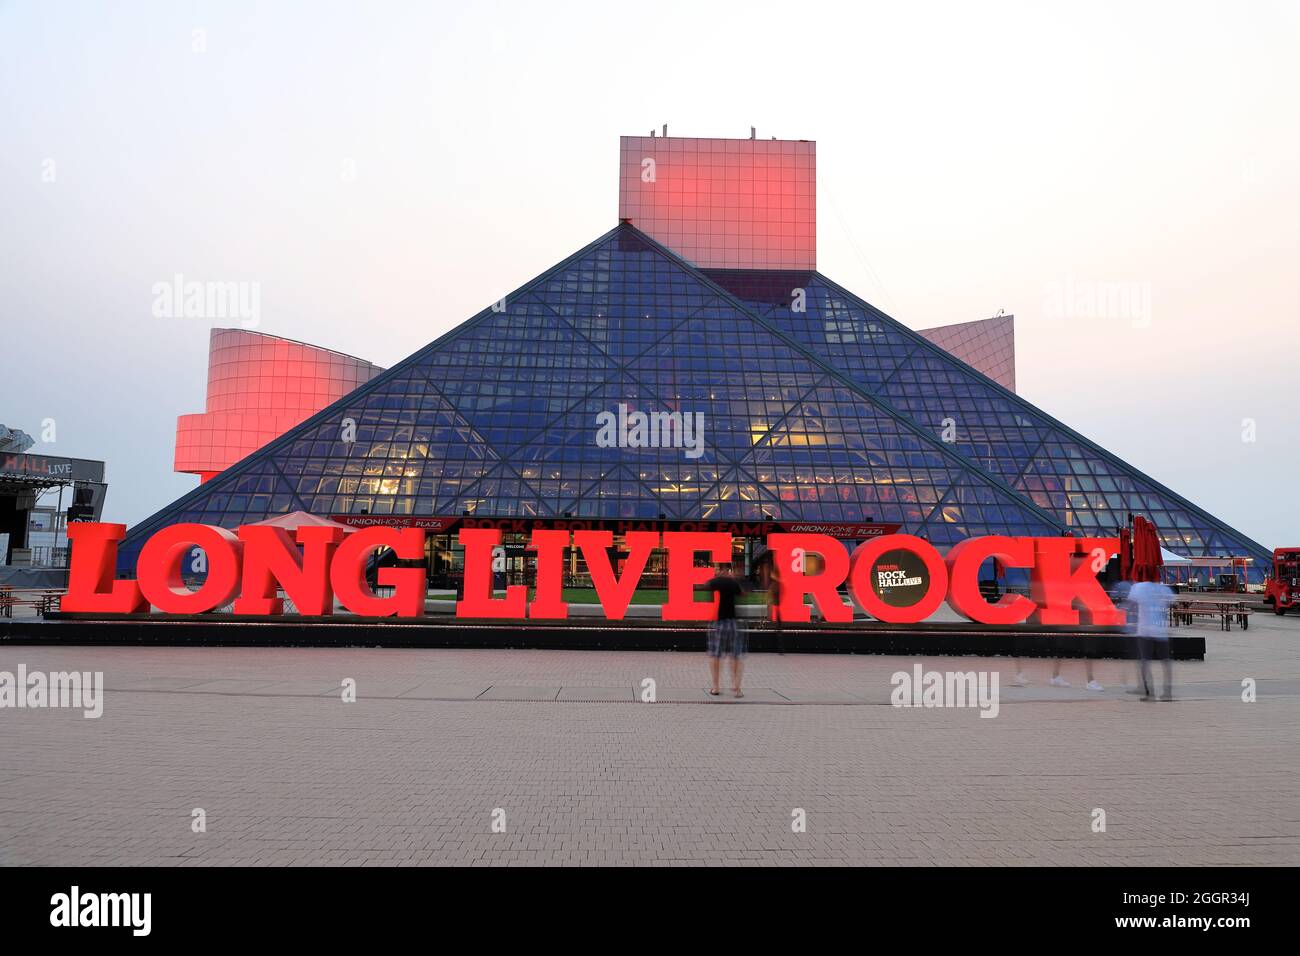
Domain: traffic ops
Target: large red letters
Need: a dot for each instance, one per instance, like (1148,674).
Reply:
(1065,571)
(318,564)
(615,593)
(91,588)
(159,568)
(865,593)
(964,562)
(272,561)
(824,586)
(480,543)
(348,573)
(548,599)
(684,575)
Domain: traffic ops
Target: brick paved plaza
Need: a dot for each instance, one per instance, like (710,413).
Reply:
(412,771)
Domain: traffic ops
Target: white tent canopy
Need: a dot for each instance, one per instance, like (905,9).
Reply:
(1169,558)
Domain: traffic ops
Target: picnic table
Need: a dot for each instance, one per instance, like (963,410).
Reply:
(1185,612)
(43,600)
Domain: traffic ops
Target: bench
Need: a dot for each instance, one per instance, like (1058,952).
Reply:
(1226,612)
(42,600)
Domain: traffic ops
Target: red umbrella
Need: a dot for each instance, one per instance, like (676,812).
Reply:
(1147,559)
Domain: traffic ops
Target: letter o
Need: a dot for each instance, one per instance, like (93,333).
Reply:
(159,568)
(861,586)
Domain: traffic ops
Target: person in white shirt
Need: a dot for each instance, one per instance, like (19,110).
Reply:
(1152,600)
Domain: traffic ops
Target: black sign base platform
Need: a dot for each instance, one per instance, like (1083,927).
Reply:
(943,640)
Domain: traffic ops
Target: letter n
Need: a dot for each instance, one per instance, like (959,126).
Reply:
(273,561)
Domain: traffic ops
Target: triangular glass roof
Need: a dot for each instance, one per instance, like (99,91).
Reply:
(1088,489)
(500,417)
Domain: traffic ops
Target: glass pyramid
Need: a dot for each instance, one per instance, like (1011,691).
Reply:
(499,418)
(832,414)
(1086,488)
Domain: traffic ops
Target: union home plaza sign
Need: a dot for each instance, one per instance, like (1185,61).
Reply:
(897,578)
(745,529)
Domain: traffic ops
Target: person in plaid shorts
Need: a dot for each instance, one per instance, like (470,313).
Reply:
(726,639)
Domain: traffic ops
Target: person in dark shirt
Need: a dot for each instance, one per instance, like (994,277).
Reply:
(726,639)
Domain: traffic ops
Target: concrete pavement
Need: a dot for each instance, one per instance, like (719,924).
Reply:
(443,747)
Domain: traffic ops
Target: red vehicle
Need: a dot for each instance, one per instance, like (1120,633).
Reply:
(1282,589)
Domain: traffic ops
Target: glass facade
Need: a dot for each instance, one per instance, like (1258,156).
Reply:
(723,203)
(988,345)
(260,386)
(1089,490)
(502,417)
(754,408)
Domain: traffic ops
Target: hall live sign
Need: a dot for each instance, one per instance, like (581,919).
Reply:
(896,578)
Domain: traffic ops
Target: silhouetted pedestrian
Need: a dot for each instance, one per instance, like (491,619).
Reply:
(775,590)
(726,639)
(1152,600)
(1119,596)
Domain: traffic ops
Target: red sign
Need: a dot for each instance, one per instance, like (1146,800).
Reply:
(896,578)
(430,524)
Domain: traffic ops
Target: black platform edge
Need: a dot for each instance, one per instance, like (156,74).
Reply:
(940,639)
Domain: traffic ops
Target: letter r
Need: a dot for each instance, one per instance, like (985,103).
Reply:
(823,587)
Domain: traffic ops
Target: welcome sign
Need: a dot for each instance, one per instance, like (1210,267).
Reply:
(896,578)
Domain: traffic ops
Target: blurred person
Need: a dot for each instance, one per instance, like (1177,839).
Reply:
(1119,596)
(1059,681)
(775,590)
(726,639)
(1152,600)
(1056,680)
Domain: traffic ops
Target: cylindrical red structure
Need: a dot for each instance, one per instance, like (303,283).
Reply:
(260,386)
